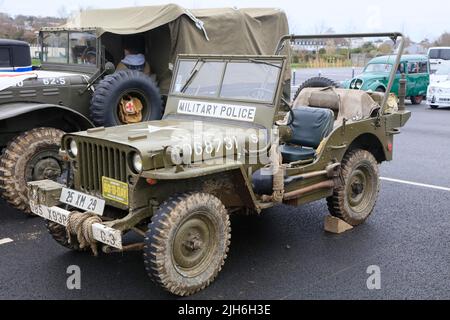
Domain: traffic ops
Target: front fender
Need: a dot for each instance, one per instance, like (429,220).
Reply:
(374,85)
(210,175)
(12,110)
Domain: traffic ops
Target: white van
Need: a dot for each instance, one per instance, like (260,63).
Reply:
(439,57)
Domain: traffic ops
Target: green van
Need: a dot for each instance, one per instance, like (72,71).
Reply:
(375,76)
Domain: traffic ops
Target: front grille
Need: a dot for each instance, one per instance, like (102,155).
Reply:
(95,161)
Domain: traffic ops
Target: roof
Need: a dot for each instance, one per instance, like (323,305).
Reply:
(131,20)
(405,57)
(9,42)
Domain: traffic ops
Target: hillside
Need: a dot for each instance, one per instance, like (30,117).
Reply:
(24,27)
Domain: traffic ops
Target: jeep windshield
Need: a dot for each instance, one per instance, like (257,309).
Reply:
(246,79)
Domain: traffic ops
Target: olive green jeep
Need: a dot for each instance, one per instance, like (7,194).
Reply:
(228,143)
(78,86)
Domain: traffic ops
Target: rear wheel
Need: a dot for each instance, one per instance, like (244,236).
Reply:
(187,242)
(416,100)
(31,156)
(355,200)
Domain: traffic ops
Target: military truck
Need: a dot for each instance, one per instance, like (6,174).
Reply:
(229,143)
(78,87)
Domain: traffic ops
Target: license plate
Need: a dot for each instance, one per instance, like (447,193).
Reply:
(54,214)
(106,235)
(101,233)
(82,201)
(115,190)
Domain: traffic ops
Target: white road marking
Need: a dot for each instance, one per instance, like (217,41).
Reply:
(423,185)
(5,241)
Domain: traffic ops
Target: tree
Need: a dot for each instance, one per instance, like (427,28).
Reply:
(443,40)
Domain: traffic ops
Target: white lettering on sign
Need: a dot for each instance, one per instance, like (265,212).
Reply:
(217,110)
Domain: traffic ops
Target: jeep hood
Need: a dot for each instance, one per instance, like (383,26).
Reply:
(154,136)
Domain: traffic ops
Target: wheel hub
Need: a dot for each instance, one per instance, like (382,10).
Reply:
(357,188)
(44,166)
(193,244)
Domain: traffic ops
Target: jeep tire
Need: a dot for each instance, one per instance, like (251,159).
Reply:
(109,92)
(31,156)
(187,242)
(355,200)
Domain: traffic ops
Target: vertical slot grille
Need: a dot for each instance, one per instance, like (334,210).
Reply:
(96,161)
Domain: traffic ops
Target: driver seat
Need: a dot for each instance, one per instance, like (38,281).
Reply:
(309,128)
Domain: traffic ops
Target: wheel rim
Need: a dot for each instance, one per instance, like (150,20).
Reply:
(194,244)
(44,165)
(360,189)
(133,93)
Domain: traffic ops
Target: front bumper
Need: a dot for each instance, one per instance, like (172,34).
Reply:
(45,201)
(439,100)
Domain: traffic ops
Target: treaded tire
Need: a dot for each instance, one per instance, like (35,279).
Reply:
(416,100)
(107,95)
(166,232)
(59,234)
(316,82)
(339,204)
(15,159)
(434,106)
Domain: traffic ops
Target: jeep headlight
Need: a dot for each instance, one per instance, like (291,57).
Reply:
(136,162)
(73,148)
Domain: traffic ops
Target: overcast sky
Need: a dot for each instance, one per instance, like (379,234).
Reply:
(418,19)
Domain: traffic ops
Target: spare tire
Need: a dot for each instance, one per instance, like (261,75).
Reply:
(107,100)
(316,82)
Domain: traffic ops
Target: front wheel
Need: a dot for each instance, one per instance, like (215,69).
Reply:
(187,242)
(355,200)
(30,156)
(434,106)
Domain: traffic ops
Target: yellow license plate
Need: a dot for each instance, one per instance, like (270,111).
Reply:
(115,190)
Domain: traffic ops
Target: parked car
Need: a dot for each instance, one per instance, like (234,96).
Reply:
(14,56)
(375,76)
(439,94)
(229,143)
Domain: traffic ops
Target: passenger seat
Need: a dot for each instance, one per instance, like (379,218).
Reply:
(309,128)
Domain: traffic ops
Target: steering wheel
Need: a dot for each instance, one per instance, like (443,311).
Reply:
(260,94)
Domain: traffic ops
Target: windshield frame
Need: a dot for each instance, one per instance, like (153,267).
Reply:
(85,68)
(266,60)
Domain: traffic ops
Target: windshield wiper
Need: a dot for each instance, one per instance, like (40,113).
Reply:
(265,62)
(193,73)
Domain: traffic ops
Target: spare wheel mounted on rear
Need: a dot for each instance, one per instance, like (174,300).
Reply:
(127,96)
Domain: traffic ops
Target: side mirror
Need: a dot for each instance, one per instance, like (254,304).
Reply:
(109,68)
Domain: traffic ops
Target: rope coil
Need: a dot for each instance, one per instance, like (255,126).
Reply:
(80,224)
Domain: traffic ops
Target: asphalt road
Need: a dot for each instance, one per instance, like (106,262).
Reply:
(284,253)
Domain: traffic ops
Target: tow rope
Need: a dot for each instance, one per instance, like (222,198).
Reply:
(80,224)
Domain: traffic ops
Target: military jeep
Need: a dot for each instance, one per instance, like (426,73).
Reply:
(78,88)
(228,143)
